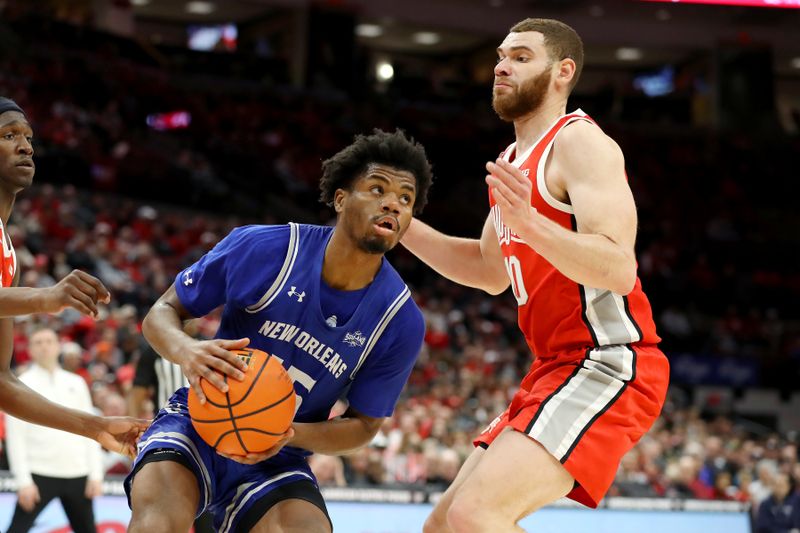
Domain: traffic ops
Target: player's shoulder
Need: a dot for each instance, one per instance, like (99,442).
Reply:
(256,239)
(408,314)
(259,232)
(584,136)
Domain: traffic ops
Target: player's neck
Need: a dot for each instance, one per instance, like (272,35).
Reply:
(346,267)
(6,205)
(530,128)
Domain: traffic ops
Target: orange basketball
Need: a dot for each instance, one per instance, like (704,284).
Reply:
(253,414)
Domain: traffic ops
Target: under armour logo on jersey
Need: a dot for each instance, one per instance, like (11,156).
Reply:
(355,339)
(187,278)
(300,295)
(331,321)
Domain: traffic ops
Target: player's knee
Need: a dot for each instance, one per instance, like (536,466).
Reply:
(436,522)
(153,513)
(467,516)
(155,520)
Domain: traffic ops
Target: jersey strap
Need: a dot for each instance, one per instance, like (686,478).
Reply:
(387,317)
(283,275)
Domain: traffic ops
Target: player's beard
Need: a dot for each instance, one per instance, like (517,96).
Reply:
(374,245)
(527,99)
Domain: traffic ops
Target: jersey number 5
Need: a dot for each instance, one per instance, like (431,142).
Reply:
(514,269)
(298,376)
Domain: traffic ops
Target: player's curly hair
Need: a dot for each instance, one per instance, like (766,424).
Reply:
(396,150)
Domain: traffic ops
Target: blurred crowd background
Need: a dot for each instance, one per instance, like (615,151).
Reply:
(133,204)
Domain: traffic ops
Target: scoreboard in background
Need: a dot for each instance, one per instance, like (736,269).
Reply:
(756,3)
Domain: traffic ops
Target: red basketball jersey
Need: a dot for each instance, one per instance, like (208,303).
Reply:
(8,262)
(556,314)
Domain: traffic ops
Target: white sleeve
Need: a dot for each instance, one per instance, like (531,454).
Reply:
(16,434)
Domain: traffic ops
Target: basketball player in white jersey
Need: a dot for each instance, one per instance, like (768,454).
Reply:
(78,290)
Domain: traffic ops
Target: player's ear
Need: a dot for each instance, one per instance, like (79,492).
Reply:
(338,200)
(566,70)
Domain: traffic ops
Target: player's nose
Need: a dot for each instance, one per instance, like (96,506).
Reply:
(390,203)
(25,147)
(502,67)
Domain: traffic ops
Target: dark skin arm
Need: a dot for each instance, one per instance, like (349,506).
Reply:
(117,434)
(78,290)
(206,359)
(338,436)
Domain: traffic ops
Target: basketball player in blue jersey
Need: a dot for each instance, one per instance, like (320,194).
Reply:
(325,302)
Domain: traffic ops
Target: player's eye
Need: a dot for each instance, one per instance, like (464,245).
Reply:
(405,198)
(377,189)
(8,136)
(499,59)
(30,139)
(523,59)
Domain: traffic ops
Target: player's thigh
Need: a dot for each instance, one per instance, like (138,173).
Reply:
(294,507)
(166,488)
(514,477)
(293,516)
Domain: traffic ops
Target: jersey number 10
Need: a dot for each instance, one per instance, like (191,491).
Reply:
(514,269)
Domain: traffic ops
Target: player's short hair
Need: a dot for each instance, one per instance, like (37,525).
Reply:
(561,41)
(396,150)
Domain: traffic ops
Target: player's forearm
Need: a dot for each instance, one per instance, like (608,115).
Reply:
(163,329)
(24,403)
(589,259)
(16,301)
(337,436)
(458,259)
(137,397)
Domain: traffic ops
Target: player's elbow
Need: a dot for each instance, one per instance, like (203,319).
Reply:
(625,280)
(495,282)
(495,288)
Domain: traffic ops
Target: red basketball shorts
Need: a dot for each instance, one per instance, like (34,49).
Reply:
(588,410)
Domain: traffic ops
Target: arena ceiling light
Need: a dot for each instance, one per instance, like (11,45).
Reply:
(369,30)
(384,71)
(627,53)
(200,8)
(426,37)
(796,62)
(139,2)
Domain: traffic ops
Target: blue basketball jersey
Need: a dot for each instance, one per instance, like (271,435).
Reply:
(269,280)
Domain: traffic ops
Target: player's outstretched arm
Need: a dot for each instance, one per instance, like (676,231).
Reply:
(337,436)
(471,262)
(117,434)
(209,360)
(78,290)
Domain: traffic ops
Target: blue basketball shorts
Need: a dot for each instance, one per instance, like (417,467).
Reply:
(228,489)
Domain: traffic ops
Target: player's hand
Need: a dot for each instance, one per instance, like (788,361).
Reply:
(211,360)
(511,190)
(120,434)
(28,497)
(253,458)
(94,488)
(78,290)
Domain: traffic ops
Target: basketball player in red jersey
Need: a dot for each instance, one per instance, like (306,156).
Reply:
(561,232)
(78,290)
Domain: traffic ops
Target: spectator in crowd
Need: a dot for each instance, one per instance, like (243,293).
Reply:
(47,463)
(780,512)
